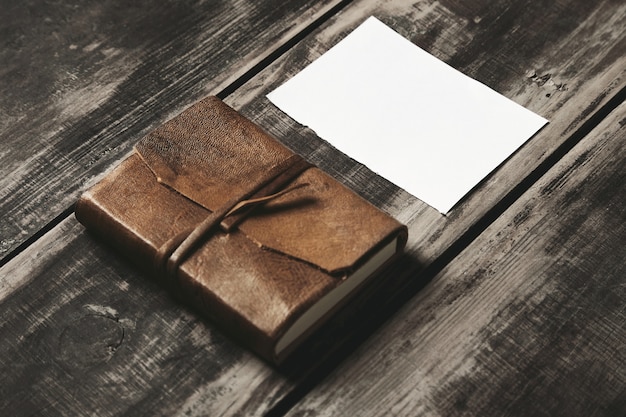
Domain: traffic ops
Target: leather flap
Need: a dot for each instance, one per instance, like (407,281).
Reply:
(210,154)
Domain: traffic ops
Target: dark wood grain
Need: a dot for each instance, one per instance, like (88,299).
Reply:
(568,69)
(565,69)
(81,81)
(83,333)
(86,332)
(529,320)
(585,61)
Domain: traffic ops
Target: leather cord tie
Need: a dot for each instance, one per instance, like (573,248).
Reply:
(271,185)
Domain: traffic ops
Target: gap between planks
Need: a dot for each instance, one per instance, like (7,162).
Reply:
(473,232)
(441,261)
(226,90)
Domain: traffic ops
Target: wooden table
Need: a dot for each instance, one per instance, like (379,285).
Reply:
(513,304)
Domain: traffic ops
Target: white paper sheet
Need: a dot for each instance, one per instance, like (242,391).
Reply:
(406,115)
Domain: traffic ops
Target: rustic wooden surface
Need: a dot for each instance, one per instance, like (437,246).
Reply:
(567,78)
(528,320)
(81,82)
(89,335)
(82,332)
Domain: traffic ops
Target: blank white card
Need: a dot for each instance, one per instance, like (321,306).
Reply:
(406,115)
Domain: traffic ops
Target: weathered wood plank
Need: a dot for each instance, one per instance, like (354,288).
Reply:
(80,82)
(513,47)
(571,70)
(565,69)
(528,320)
(240,383)
(83,333)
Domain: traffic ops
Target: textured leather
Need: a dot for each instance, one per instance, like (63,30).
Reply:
(176,250)
(268,262)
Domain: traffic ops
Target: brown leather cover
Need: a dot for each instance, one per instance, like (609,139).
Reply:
(286,253)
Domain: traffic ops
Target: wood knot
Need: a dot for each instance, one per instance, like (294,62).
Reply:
(91,339)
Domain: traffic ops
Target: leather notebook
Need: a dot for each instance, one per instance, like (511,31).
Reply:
(240,227)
